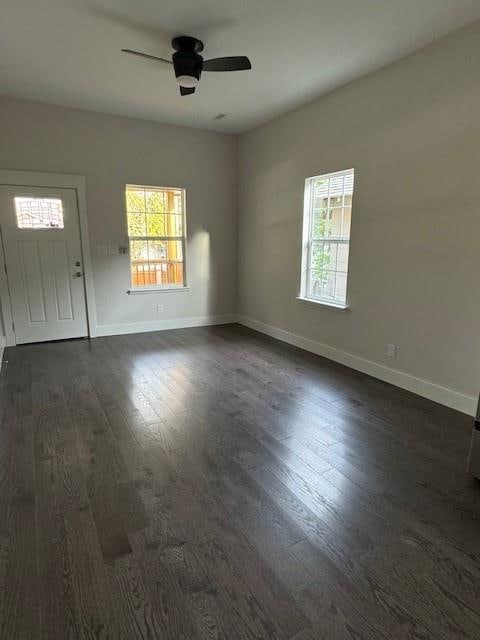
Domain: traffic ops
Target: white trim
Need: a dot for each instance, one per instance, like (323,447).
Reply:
(5,306)
(437,393)
(307,234)
(159,289)
(59,181)
(160,325)
(3,342)
(182,238)
(324,303)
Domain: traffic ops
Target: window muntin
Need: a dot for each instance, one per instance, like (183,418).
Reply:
(38,213)
(326,237)
(156,231)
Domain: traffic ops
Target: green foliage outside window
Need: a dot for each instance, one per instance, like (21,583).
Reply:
(146,211)
(320,260)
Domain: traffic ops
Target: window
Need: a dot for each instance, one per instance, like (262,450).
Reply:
(326,237)
(39,213)
(156,231)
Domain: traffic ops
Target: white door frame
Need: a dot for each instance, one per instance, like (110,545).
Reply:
(61,181)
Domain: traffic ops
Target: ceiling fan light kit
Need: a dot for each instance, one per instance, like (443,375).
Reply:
(188,64)
(189,82)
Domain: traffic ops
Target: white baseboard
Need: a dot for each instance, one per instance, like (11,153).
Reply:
(160,325)
(443,395)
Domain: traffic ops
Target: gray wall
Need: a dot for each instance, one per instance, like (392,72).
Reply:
(112,151)
(412,133)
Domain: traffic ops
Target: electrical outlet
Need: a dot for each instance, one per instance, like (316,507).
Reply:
(391,350)
(160,308)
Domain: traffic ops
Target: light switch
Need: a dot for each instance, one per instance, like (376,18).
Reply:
(112,250)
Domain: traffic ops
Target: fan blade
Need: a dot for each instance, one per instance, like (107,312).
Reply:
(231,63)
(146,55)
(186,91)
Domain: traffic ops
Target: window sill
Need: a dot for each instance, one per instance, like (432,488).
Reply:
(324,303)
(134,292)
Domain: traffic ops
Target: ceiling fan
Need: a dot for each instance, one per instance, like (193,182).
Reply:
(188,64)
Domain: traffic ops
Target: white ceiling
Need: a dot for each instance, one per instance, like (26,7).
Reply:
(68,51)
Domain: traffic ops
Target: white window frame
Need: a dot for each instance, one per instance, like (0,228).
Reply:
(308,242)
(134,289)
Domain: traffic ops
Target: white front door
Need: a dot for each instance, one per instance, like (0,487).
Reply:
(43,254)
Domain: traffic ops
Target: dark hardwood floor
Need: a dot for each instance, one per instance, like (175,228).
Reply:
(213,483)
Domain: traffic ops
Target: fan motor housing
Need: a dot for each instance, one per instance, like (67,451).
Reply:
(187,64)
(188,44)
(186,59)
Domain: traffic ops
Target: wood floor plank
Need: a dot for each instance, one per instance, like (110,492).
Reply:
(212,483)
(95,617)
(270,548)
(306,634)
(19,584)
(248,583)
(57,604)
(135,618)
(358,588)
(19,599)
